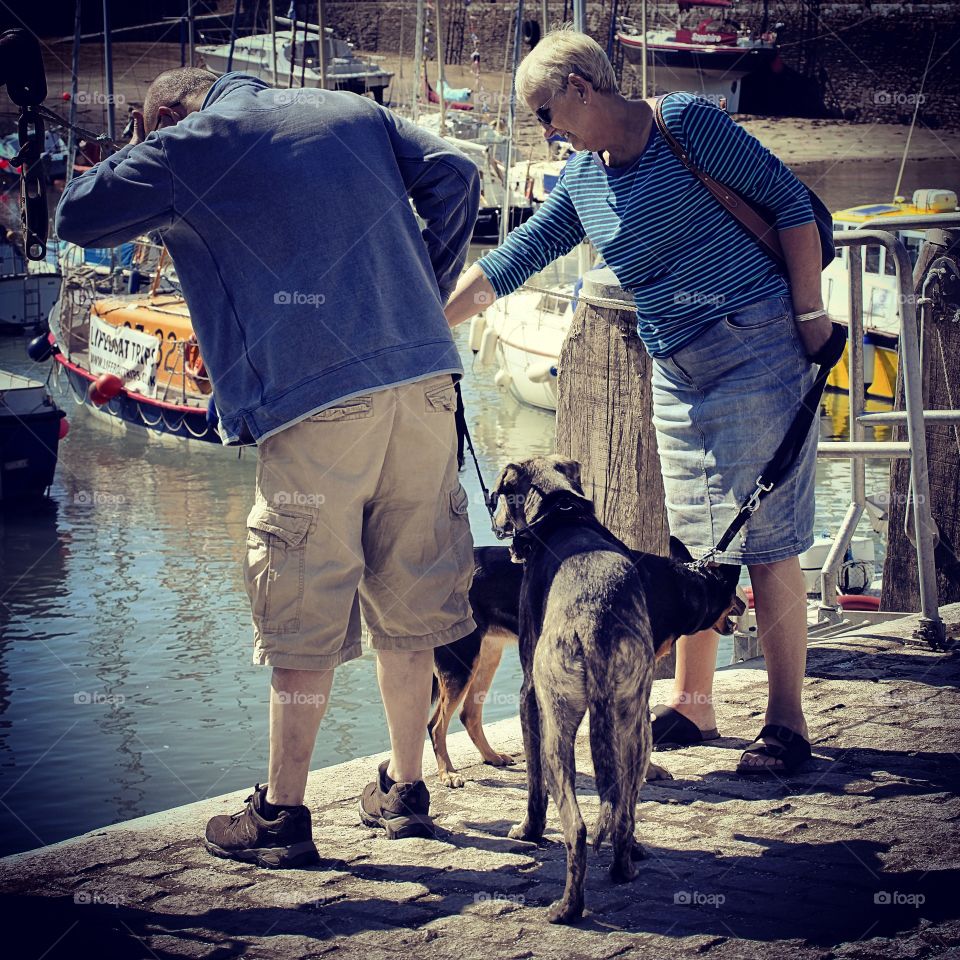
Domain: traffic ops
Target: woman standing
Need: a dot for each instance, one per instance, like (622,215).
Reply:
(728,332)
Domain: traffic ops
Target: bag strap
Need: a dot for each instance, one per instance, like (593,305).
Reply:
(765,233)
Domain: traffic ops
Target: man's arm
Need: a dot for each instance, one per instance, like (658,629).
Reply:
(127,194)
(445,188)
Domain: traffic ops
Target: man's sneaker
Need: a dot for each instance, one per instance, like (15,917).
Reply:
(402,809)
(249,836)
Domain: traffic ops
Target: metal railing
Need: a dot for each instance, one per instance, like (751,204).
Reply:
(857,449)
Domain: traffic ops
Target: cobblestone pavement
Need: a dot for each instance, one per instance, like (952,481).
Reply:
(855,858)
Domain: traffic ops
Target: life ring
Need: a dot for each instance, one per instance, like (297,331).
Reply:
(194,365)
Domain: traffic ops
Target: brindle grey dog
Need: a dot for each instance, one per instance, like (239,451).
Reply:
(593,617)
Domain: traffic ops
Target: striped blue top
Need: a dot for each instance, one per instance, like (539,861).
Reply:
(668,241)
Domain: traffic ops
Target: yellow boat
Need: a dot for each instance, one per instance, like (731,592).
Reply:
(881,319)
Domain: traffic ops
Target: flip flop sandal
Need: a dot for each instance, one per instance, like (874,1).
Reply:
(670,727)
(792,751)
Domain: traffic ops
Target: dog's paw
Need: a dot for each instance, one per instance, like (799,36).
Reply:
(623,871)
(565,911)
(500,760)
(524,831)
(656,772)
(638,851)
(450,779)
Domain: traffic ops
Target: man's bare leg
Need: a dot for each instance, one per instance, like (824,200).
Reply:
(298,701)
(406,679)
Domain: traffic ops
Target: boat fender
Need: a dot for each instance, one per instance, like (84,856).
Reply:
(104,389)
(488,346)
(63,428)
(541,372)
(40,349)
(502,379)
(477,327)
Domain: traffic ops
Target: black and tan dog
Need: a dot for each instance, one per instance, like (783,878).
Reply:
(593,617)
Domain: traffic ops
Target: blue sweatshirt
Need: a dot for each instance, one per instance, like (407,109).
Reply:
(287,215)
(668,241)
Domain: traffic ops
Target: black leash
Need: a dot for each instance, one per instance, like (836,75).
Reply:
(826,359)
(463,437)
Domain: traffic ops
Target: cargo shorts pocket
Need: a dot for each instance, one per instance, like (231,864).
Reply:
(356,408)
(274,568)
(460,528)
(442,399)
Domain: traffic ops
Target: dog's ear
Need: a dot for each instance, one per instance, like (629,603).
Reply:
(507,476)
(679,552)
(570,469)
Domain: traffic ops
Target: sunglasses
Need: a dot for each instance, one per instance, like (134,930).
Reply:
(543,114)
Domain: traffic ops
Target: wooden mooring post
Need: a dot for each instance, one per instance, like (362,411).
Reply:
(940,352)
(605,418)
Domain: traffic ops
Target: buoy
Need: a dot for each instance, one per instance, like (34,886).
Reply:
(104,388)
(488,346)
(39,349)
(64,428)
(477,327)
(502,379)
(541,372)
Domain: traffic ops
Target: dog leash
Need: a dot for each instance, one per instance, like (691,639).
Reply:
(463,438)
(826,359)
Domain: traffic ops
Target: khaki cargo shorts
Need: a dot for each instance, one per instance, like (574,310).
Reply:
(359,511)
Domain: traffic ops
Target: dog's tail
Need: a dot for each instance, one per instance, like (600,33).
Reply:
(603,746)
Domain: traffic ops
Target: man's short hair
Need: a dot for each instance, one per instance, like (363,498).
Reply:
(173,88)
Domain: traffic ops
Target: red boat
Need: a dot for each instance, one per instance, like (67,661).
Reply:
(708,55)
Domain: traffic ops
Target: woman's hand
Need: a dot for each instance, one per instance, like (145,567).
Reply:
(815,333)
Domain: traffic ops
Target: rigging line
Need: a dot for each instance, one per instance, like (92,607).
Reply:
(913,122)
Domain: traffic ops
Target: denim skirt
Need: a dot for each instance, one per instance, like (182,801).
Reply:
(721,406)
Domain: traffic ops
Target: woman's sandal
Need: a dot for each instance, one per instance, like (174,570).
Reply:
(792,751)
(672,728)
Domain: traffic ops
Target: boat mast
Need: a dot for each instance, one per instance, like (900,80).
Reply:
(643,48)
(321,45)
(190,25)
(511,121)
(108,70)
(273,44)
(74,81)
(418,61)
(233,33)
(579,18)
(440,77)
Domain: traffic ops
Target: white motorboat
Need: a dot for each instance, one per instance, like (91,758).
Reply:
(298,58)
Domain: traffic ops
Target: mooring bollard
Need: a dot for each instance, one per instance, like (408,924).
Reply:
(605,418)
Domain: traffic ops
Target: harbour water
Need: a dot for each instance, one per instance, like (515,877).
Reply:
(126,685)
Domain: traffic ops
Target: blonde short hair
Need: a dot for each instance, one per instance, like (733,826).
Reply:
(560,53)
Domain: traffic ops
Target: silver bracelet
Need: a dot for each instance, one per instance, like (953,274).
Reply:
(812,315)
